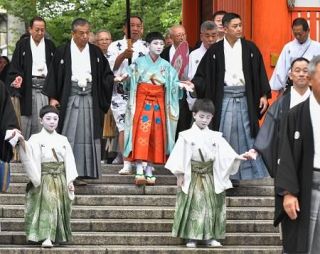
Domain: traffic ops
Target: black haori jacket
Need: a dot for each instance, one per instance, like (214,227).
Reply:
(294,175)
(8,121)
(58,84)
(21,65)
(209,80)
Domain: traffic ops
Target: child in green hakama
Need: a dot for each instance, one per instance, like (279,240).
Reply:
(48,160)
(202,161)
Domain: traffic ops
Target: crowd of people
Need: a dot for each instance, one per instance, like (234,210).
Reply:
(159,102)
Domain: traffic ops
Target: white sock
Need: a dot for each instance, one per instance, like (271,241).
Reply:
(127,164)
(149,170)
(139,170)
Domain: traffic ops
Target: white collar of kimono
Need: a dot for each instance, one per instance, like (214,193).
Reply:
(45,132)
(297,98)
(39,67)
(80,63)
(315,121)
(303,44)
(196,128)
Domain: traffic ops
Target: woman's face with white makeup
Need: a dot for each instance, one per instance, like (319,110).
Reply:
(156,47)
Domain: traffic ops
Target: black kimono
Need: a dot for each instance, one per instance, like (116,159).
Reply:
(209,80)
(294,175)
(58,84)
(8,121)
(268,140)
(21,65)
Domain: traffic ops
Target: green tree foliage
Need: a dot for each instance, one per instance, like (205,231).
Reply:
(158,15)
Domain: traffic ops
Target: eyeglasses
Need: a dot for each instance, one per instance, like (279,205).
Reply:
(104,40)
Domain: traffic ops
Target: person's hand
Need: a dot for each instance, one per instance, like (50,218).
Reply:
(127,53)
(17,82)
(180,181)
(242,157)
(291,206)
(263,104)
(187,84)
(54,102)
(71,187)
(120,78)
(251,154)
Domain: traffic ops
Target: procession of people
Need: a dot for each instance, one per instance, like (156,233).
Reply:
(197,116)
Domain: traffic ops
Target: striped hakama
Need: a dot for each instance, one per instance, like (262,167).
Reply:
(78,127)
(235,127)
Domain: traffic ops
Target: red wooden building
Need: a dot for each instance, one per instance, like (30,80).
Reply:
(266,22)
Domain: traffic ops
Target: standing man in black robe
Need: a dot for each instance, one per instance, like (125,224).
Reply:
(233,76)
(8,121)
(298,176)
(28,70)
(80,83)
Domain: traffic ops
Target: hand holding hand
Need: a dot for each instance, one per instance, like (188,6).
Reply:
(187,84)
(251,154)
(291,206)
(120,78)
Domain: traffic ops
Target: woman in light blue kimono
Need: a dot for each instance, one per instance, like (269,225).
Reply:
(152,110)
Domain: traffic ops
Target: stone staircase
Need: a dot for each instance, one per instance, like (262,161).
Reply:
(111,215)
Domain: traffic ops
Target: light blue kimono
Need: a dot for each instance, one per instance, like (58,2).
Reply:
(159,72)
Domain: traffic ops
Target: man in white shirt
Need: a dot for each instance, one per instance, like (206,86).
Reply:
(297,180)
(28,70)
(118,54)
(301,46)
(80,82)
(208,36)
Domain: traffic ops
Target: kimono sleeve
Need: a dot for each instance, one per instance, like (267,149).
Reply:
(30,157)
(178,158)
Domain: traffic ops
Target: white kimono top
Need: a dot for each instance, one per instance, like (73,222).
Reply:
(38,149)
(213,147)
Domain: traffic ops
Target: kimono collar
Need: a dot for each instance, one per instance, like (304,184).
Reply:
(45,132)
(197,129)
(149,59)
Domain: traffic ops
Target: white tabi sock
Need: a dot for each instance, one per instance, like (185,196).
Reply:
(149,170)
(139,170)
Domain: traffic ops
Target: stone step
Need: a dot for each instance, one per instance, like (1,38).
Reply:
(142,212)
(115,249)
(131,189)
(106,179)
(134,200)
(141,225)
(146,238)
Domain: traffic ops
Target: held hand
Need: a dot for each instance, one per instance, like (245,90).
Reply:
(127,53)
(54,102)
(180,181)
(71,187)
(242,157)
(251,154)
(187,84)
(120,78)
(291,206)
(263,104)
(17,82)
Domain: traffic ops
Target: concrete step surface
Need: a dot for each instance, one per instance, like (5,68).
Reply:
(142,212)
(141,225)
(144,200)
(116,249)
(146,238)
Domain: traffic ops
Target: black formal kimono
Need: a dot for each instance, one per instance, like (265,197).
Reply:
(294,175)
(58,84)
(8,121)
(268,140)
(209,80)
(21,65)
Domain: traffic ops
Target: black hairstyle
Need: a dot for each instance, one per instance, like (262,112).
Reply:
(205,105)
(133,16)
(228,17)
(5,58)
(217,13)
(37,18)
(299,59)
(78,22)
(154,36)
(48,109)
(301,22)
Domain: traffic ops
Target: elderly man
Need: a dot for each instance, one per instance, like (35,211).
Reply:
(119,52)
(232,74)
(301,46)
(298,177)
(80,83)
(103,41)
(28,70)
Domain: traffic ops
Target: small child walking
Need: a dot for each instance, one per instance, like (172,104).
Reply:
(202,160)
(49,162)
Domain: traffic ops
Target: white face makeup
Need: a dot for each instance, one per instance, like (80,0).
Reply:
(50,121)
(202,119)
(156,47)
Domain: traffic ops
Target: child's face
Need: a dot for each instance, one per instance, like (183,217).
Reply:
(50,121)
(156,47)
(202,119)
